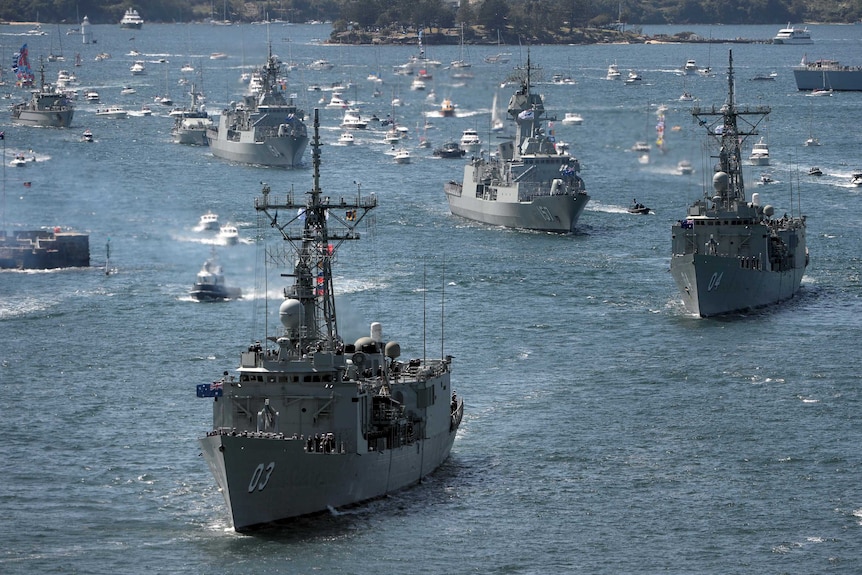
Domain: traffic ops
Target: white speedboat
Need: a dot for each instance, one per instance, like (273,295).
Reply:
(138,68)
(402,156)
(856,179)
(228,234)
(689,68)
(208,221)
(634,77)
(346,139)
(684,167)
(113,112)
(572,119)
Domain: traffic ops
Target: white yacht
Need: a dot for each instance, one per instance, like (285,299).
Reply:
(792,35)
(470,141)
(346,139)
(689,68)
(613,72)
(759,154)
(132,20)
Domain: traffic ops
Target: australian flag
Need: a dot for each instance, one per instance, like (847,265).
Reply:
(214,389)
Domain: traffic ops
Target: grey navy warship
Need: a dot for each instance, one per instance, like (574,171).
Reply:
(264,128)
(532,183)
(731,254)
(310,422)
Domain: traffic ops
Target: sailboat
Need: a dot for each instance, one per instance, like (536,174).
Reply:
(496,121)
(52,57)
(461,62)
(824,91)
(811,141)
(499,57)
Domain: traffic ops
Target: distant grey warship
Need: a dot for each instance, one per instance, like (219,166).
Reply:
(46,107)
(311,422)
(731,254)
(532,183)
(264,128)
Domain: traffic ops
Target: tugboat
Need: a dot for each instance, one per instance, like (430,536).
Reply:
(531,183)
(265,129)
(730,254)
(310,422)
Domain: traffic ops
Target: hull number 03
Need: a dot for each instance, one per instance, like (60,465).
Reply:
(260,477)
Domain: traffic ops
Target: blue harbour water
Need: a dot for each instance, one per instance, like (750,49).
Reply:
(606,430)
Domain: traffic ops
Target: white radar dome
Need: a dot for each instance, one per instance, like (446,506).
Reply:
(290,313)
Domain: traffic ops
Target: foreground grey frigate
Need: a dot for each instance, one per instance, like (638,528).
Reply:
(532,183)
(311,422)
(265,128)
(731,254)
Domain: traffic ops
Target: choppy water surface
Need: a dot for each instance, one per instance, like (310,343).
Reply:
(606,430)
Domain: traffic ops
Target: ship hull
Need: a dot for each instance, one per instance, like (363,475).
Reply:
(816,79)
(279,151)
(716,285)
(552,213)
(270,480)
(39,250)
(191,137)
(47,118)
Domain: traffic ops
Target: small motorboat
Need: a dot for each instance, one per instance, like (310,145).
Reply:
(346,139)
(815,171)
(228,235)
(638,208)
(766,178)
(684,167)
(402,156)
(87,136)
(449,150)
(208,221)
(572,119)
(19,161)
(114,112)
(856,179)
(210,285)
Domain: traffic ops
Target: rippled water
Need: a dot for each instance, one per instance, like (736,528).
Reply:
(606,430)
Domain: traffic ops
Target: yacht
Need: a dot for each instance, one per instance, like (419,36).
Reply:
(353,121)
(447,108)
(470,141)
(613,72)
(759,154)
(346,139)
(689,68)
(209,222)
(792,35)
(131,20)
(228,234)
